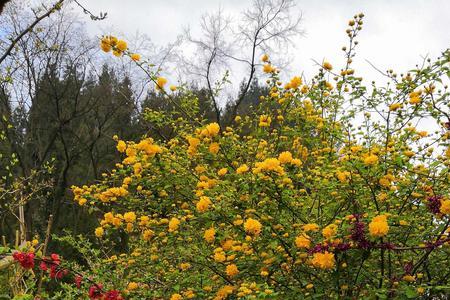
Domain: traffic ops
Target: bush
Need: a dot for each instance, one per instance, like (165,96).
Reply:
(328,189)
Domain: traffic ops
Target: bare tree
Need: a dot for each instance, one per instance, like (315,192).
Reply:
(269,26)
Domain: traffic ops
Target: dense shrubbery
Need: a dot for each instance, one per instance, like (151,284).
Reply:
(327,189)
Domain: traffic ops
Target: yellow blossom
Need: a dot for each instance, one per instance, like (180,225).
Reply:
(173,224)
(232,270)
(264,121)
(242,169)
(285,157)
(252,226)
(121,45)
(132,286)
(303,241)
(214,148)
(371,159)
(211,130)
(160,82)
(323,260)
(99,232)
(310,227)
(210,235)
(135,57)
(176,297)
(379,227)
(222,172)
(295,82)
(329,231)
(267,68)
(445,207)
(203,204)
(224,292)
(148,234)
(395,106)
(105,44)
(121,146)
(327,66)
(129,217)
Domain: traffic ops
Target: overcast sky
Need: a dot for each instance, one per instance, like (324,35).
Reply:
(396,33)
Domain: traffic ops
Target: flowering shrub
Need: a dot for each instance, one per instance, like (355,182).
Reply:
(327,189)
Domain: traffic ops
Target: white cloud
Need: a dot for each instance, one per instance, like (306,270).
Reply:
(396,34)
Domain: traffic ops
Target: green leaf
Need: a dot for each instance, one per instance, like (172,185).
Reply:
(410,293)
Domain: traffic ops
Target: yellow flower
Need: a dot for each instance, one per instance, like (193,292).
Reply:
(323,260)
(210,235)
(121,45)
(173,224)
(121,146)
(203,204)
(223,292)
(160,82)
(219,256)
(395,106)
(129,217)
(148,234)
(211,130)
(445,207)
(415,100)
(214,148)
(303,241)
(379,227)
(242,169)
(222,172)
(329,231)
(267,68)
(232,270)
(310,227)
(105,44)
(99,232)
(173,88)
(342,176)
(252,226)
(371,159)
(113,40)
(264,121)
(176,297)
(285,157)
(132,286)
(117,53)
(327,66)
(135,57)
(295,82)
(409,278)
(265,58)
(193,142)
(269,164)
